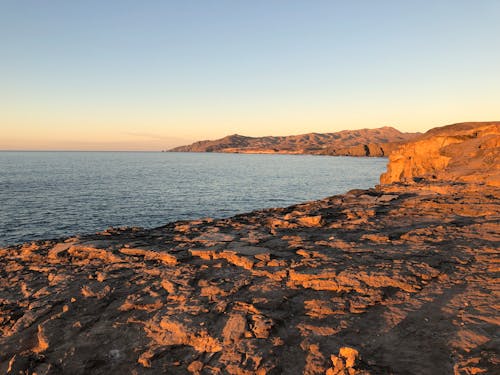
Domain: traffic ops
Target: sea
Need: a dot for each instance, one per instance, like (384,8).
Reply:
(46,195)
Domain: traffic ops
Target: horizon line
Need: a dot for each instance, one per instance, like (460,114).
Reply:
(76,150)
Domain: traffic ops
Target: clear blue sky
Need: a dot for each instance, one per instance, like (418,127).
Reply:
(153,74)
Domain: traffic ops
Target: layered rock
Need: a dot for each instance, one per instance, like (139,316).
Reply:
(393,280)
(363,142)
(461,152)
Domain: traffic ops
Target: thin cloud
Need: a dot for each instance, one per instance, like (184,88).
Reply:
(153,136)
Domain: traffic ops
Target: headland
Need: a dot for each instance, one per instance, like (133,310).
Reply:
(362,142)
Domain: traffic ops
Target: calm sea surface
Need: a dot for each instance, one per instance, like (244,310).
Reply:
(54,194)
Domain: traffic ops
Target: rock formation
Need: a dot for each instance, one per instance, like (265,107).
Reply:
(399,279)
(363,142)
(391,280)
(460,152)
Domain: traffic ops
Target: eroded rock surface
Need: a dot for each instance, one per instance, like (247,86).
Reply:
(460,152)
(395,280)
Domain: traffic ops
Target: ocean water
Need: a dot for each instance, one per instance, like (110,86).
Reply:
(47,195)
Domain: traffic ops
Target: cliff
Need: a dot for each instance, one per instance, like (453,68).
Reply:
(460,152)
(363,142)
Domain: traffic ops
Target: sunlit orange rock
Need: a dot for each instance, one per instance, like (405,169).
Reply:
(399,279)
(462,152)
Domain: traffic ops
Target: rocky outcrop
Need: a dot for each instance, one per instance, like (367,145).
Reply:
(394,280)
(401,279)
(363,142)
(370,149)
(461,152)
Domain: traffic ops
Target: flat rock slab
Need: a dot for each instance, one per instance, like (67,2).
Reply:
(214,237)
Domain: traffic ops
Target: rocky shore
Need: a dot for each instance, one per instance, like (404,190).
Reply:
(398,279)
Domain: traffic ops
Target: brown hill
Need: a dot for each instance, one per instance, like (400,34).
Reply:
(460,152)
(363,142)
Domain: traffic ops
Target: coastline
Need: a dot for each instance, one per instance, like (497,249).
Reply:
(270,152)
(393,279)
(361,142)
(173,187)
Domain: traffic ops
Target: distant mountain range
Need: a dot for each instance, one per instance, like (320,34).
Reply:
(362,142)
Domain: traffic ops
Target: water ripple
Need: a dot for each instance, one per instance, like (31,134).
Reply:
(55,194)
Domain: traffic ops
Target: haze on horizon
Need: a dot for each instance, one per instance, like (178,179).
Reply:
(128,75)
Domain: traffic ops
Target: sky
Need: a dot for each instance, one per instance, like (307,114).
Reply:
(150,75)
